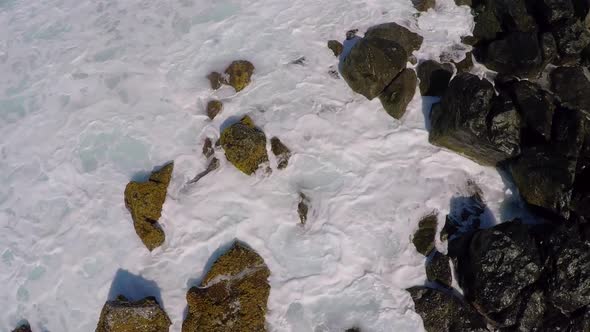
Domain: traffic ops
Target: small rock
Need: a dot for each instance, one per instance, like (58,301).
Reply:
(424,237)
(23,328)
(572,87)
(443,312)
(122,315)
(399,93)
(464,3)
(216,80)
(208,150)
(239,72)
(434,77)
(351,34)
(465,65)
(392,31)
(213,165)
(438,269)
(353,329)
(303,208)
(335,46)
(424,5)
(569,279)
(244,145)
(213,108)
(299,61)
(232,296)
(281,152)
(144,200)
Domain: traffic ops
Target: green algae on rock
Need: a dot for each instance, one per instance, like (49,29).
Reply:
(144,200)
(244,145)
(122,315)
(233,295)
(281,151)
(240,73)
(424,237)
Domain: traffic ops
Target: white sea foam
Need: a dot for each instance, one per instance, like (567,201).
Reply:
(95,93)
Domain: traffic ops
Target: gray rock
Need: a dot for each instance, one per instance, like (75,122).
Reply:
(399,93)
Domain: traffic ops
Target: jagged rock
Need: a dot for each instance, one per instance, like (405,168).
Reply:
(409,40)
(208,150)
(465,65)
(572,87)
(471,121)
(239,72)
(571,37)
(438,269)
(144,200)
(213,108)
(301,61)
(233,295)
(23,328)
(303,208)
(280,151)
(372,64)
(424,5)
(535,106)
(244,145)
(216,80)
(424,236)
(335,46)
(519,53)
(399,93)
(500,262)
(122,315)
(442,312)
(434,77)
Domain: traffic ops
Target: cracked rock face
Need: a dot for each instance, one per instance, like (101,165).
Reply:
(233,295)
(122,315)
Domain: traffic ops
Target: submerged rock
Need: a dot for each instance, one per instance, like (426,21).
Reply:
(465,65)
(424,237)
(443,312)
(213,108)
(281,152)
(372,64)
(233,295)
(335,46)
(438,269)
(208,150)
(408,39)
(303,208)
(244,145)
(424,5)
(399,93)
(473,122)
(240,73)
(23,328)
(572,87)
(144,200)
(213,165)
(122,315)
(434,77)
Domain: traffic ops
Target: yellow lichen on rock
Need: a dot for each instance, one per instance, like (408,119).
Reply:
(240,73)
(232,297)
(122,315)
(244,145)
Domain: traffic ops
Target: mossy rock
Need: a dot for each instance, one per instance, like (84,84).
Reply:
(23,328)
(244,145)
(233,295)
(144,200)
(240,72)
(281,151)
(424,237)
(122,315)
(213,108)
(336,47)
(399,93)
(216,80)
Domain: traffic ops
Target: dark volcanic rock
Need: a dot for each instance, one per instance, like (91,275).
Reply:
(335,46)
(281,152)
(434,77)
(569,277)
(553,11)
(438,269)
(399,93)
(233,295)
(572,87)
(23,328)
(471,123)
(571,38)
(122,315)
(442,312)
(499,264)
(424,237)
(240,73)
(372,64)
(244,145)
(487,26)
(536,107)
(409,40)
(216,80)
(465,65)
(519,53)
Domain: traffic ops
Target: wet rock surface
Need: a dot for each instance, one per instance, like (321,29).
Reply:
(122,315)
(335,46)
(399,93)
(434,77)
(424,236)
(240,73)
(213,108)
(409,40)
(281,152)
(144,201)
(244,145)
(572,87)
(232,296)
(438,269)
(23,328)
(423,5)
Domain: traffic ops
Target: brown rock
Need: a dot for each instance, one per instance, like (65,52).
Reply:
(240,72)
(281,152)
(122,315)
(216,80)
(208,150)
(335,46)
(213,108)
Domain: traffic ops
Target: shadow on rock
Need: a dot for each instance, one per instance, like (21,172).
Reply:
(133,287)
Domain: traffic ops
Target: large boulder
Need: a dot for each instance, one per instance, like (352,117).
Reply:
(144,201)
(443,312)
(409,40)
(473,122)
(572,87)
(434,77)
(240,73)
(122,315)
(232,296)
(518,53)
(244,145)
(399,93)
(372,64)
(498,265)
